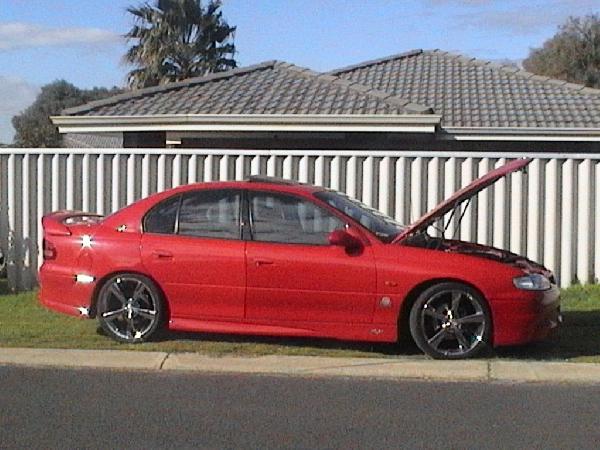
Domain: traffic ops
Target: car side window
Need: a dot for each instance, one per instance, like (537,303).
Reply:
(162,218)
(289,219)
(211,214)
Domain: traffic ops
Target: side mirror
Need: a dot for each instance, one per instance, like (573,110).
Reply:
(344,239)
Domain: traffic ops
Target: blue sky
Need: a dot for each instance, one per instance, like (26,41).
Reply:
(80,40)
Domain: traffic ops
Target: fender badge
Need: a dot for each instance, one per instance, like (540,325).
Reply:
(121,228)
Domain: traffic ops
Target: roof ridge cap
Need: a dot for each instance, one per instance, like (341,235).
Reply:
(329,78)
(373,62)
(577,87)
(169,86)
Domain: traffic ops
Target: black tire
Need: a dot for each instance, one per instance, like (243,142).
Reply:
(451,321)
(130,308)
(2,264)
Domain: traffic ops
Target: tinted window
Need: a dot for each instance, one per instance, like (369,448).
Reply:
(376,222)
(288,219)
(161,218)
(211,214)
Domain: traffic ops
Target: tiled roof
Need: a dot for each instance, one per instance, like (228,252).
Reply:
(268,88)
(472,93)
(83,140)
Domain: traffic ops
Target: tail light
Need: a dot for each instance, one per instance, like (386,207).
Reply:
(49,250)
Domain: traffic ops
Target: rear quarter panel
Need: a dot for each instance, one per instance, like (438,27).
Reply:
(107,251)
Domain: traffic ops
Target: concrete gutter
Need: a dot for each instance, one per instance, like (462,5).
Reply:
(379,368)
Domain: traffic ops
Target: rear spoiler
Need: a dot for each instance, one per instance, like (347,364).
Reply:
(57,223)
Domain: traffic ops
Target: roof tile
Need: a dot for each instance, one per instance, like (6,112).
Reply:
(469,92)
(267,88)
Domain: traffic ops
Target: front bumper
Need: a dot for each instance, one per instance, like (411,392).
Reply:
(527,317)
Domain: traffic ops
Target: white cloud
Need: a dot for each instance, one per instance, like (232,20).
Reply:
(16,94)
(18,35)
(513,16)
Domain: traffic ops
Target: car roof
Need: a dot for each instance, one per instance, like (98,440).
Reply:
(254,182)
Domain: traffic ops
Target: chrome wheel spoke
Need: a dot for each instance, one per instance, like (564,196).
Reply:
(131,332)
(472,318)
(146,313)
(138,291)
(116,291)
(432,312)
(460,337)
(455,302)
(111,315)
(437,338)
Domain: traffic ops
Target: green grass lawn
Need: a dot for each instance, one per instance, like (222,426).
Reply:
(24,323)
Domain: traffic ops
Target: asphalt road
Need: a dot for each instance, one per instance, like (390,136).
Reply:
(51,408)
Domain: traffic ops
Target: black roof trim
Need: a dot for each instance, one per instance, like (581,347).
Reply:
(273,180)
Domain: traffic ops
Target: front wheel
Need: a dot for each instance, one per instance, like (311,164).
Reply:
(450,321)
(129,308)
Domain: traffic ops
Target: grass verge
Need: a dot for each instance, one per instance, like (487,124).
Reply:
(24,323)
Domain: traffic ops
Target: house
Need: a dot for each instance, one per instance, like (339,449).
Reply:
(419,100)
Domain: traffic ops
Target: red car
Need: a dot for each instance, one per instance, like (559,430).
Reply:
(274,257)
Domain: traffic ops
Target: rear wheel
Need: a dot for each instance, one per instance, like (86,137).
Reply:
(129,308)
(450,321)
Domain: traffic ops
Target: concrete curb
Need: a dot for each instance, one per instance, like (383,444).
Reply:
(83,358)
(401,368)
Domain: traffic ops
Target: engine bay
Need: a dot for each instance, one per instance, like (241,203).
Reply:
(425,240)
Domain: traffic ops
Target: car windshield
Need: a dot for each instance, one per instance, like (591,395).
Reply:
(382,226)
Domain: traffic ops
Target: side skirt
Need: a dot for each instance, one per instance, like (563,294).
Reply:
(348,332)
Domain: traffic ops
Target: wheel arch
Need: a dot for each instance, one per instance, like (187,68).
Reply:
(411,298)
(101,281)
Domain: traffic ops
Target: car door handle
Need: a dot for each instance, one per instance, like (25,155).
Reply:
(162,254)
(262,262)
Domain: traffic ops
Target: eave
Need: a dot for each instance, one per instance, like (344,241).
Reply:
(532,134)
(406,123)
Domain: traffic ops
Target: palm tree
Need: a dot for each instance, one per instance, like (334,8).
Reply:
(178,39)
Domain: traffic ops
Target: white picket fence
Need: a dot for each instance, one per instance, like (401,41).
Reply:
(549,214)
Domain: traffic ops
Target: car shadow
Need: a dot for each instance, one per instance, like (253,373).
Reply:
(578,337)
(304,345)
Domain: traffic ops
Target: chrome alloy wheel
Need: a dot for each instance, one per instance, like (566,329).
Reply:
(129,308)
(453,322)
(450,321)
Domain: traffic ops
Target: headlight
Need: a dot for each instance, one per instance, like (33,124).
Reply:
(532,282)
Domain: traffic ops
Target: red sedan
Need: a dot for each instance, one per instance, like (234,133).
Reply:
(274,257)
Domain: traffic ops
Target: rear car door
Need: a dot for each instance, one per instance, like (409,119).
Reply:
(192,247)
(294,274)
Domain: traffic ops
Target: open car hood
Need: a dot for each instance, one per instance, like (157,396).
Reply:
(460,196)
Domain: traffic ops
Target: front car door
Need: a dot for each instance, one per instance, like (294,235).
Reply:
(192,247)
(294,274)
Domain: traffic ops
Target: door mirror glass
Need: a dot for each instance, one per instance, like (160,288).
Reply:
(344,239)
